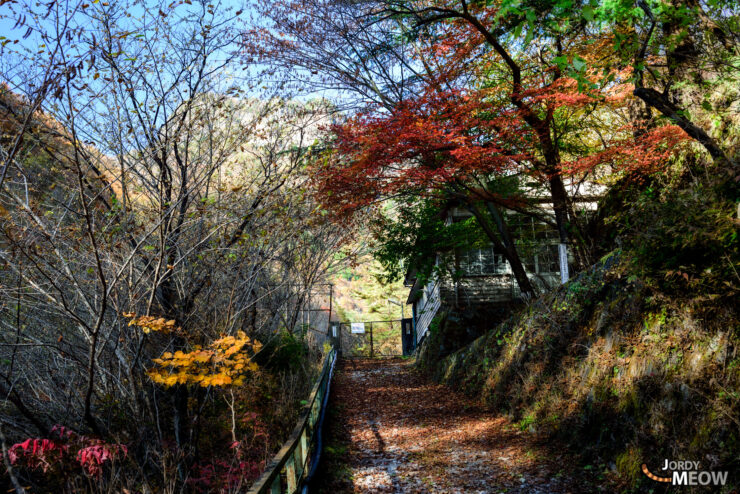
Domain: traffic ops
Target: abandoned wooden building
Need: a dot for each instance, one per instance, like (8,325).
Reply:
(484,284)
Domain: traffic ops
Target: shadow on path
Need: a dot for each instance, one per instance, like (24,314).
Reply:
(392,430)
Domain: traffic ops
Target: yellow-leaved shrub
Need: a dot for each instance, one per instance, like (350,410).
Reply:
(226,361)
(151,323)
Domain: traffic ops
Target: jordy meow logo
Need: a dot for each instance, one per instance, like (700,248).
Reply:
(685,472)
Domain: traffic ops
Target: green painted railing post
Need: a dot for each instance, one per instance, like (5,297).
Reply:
(290,474)
(304,449)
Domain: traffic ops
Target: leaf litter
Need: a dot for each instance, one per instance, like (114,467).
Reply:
(403,433)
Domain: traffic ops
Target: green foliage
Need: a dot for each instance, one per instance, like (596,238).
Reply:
(411,238)
(527,422)
(364,294)
(629,464)
(684,238)
(285,351)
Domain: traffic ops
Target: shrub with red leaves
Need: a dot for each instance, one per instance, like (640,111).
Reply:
(65,446)
(92,457)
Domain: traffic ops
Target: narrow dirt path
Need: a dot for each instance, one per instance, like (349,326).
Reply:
(392,430)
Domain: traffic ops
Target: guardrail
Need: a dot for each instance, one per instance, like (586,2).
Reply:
(290,466)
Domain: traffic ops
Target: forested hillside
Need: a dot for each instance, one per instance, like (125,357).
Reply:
(159,246)
(190,193)
(362,294)
(613,366)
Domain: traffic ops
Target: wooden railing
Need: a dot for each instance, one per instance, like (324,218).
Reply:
(291,465)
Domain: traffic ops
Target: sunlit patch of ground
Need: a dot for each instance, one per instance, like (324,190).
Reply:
(404,434)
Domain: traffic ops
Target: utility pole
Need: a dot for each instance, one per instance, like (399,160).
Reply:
(396,302)
(331,295)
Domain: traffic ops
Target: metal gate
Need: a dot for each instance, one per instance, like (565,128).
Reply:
(370,339)
(408,338)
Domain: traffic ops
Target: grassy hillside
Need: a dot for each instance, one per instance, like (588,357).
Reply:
(616,369)
(635,360)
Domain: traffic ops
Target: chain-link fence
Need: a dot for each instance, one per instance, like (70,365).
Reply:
(370,339)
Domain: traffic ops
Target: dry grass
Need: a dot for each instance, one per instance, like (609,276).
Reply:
(610,367)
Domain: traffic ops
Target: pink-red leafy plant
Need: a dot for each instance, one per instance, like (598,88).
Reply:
(64,447)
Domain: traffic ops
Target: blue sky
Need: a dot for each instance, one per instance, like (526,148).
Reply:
(18,73)
(26,39)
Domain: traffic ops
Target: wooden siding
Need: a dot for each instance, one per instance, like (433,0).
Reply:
(472,291)
(477,290)
(425,312)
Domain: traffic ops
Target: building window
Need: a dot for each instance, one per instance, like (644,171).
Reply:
(537,243)
(544,260)
(485,261)
(537,246)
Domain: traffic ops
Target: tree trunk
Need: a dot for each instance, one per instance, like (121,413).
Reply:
(661,103)
(12,395)
(167,297)
(180,422)
(682,68)
(294,316)
(251,316)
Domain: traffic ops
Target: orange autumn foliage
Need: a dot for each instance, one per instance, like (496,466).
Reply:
(225,361)
(151,323)
(646,154)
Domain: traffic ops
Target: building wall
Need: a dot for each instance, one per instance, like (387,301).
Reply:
(473,291)
(470,292)
(426,309)
(489,287)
